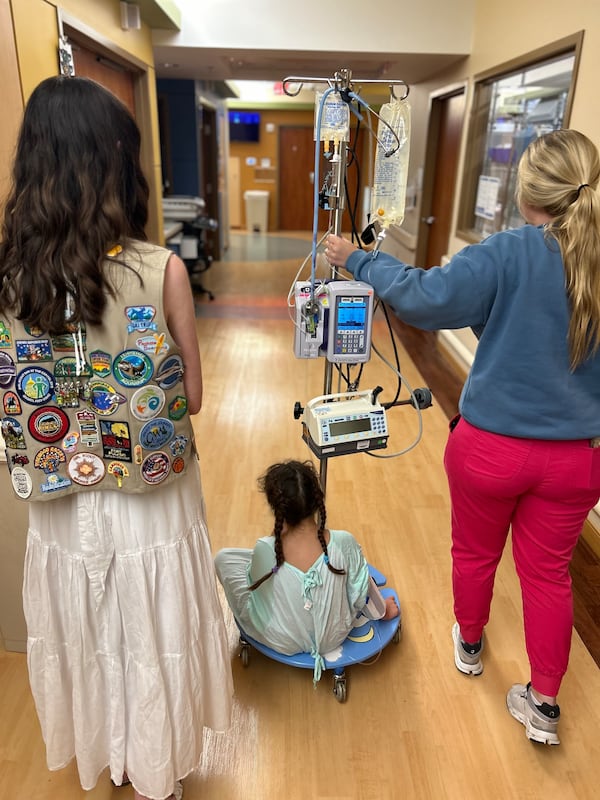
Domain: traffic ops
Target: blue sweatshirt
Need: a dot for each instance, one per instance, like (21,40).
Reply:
(510,289)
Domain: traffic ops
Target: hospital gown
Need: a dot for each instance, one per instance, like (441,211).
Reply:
(295,611)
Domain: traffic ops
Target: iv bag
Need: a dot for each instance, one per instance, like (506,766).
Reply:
(390,173)
(335,118)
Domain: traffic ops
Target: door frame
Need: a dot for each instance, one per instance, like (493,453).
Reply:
(436,101)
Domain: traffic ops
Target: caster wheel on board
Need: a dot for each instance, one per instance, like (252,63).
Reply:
(339,688)
(397,635)
(245,653)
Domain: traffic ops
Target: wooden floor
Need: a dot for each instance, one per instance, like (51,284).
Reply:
(413,728)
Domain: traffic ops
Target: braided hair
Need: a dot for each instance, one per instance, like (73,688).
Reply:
(294,492)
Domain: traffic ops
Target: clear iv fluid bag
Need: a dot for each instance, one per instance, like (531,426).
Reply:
(335,118)
(391,172)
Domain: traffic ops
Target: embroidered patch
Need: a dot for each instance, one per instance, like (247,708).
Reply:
(5,335)
(88,425)
(118,471)
(12,433)
(104,399)
(178,445)
(156,433)
(63,343)
(66,367)
(7,369)
(101,363)
(155,467)
(140,318)
(155,344)
(86,469)
(70,442)
(22,483)
(116,440)
(169,372)
(30,351)
(132,368)
(11,403)
(35,385)
(49,459)
(48,424)
(177,407)
(147,402)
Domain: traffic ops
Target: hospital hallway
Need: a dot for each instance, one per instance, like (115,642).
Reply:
(412,726)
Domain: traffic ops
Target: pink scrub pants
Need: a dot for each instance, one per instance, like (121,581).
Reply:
(544,490)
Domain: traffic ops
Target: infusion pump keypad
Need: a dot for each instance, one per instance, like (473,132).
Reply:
(346,342)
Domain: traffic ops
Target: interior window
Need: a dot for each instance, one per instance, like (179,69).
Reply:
(510,110)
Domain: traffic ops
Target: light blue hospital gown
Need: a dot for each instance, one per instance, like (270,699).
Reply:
(295,611)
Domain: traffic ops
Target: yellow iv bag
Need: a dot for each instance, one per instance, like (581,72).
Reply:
(390,172)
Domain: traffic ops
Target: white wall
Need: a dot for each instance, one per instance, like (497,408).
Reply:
(429,26)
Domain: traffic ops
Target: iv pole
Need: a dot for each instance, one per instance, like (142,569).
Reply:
(341,81)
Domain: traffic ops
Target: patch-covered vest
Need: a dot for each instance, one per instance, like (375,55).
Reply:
(101,407)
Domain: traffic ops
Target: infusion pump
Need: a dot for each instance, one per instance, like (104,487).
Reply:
(334,319)
(349,422)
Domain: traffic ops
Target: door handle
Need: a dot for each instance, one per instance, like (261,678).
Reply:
(428,220)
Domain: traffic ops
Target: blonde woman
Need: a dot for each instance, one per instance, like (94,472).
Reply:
(524,451)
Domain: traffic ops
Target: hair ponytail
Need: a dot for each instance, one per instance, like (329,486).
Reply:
(559,173)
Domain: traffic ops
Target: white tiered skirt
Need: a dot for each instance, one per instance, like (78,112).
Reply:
(127,651)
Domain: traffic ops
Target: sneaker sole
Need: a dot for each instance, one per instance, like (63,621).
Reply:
(462,666)
(533,734)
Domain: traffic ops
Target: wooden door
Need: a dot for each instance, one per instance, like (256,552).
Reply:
(439,184)
(297,176)
(209,175)
(113,76)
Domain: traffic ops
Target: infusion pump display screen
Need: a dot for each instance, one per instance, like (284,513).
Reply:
(351,313)
(350,321)
(350,426)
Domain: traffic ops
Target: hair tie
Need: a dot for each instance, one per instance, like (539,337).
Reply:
(326,559)
(582,186)
(274,569)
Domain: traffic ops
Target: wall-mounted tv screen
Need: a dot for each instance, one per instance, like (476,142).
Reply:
(244,126)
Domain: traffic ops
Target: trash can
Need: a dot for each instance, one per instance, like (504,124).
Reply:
(257,210)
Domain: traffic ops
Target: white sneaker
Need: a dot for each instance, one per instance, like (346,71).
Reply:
(541,721)
(467,657)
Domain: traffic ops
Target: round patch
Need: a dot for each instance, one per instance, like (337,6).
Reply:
(147,402)
(48,424)
(178,464)
(35,385)
(86,469)
(170,372)
(21,482)
(7,369)
(156,433)
(132,368)
(155,467)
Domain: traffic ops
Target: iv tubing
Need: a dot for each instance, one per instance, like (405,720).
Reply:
(313,270)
